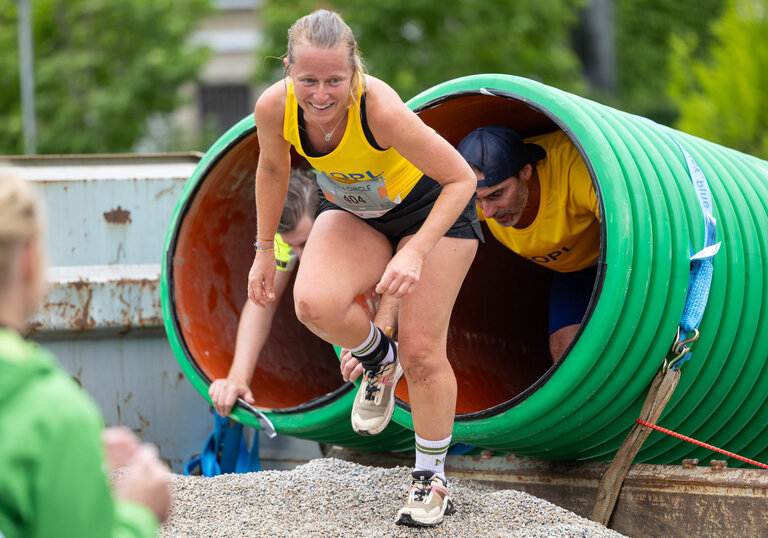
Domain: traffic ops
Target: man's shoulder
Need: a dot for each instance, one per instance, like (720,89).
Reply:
(563,157)
(564,170)
(551,141)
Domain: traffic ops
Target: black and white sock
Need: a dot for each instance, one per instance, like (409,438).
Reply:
(376,350)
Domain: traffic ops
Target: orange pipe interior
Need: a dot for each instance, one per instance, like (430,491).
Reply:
(497,341)
(210,266)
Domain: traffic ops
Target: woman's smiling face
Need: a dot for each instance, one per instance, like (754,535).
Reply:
(321,80)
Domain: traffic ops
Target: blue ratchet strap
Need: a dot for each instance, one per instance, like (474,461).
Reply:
(225,451)
(700,278)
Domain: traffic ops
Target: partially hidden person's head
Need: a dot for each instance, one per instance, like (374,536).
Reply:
(326,30)
(301,204)
(22,282)
(503,164)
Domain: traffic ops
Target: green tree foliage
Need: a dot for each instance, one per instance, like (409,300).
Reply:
(415,44)
(102,67)
(643,32)
(724,98)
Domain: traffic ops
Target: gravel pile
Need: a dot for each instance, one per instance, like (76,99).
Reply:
(331,497)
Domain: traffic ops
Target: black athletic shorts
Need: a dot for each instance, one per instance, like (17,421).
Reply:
(407,217)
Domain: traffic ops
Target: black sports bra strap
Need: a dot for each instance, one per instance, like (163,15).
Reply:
(366,129)
(305,139)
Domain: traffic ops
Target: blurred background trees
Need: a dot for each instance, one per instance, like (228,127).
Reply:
(646,62)
(109,74)
(723,96)
(102,69)
(415,44)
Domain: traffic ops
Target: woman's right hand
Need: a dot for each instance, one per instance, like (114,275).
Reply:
(261,278)
(225,392)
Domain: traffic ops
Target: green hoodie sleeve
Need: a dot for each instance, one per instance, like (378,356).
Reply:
(74,496)
(52,461)
(133,519)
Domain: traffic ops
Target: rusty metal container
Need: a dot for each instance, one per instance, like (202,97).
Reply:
(102,315)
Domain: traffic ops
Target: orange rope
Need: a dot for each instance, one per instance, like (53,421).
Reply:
(705,445)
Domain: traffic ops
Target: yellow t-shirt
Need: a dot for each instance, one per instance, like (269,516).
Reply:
(565,235)
(285,257)
(355,176)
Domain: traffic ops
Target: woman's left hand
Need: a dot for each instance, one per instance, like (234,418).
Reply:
(402,273)
(350,367)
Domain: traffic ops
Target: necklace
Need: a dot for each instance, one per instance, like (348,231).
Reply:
(329,135)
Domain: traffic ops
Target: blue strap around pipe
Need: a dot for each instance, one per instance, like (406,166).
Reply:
(700,277)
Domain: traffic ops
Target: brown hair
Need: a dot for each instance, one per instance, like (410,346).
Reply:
(326,29)
(19,219)
(300,200)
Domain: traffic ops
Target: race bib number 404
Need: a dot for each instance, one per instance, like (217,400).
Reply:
(366,199)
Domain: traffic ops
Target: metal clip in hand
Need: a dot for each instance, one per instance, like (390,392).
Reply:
(266,425)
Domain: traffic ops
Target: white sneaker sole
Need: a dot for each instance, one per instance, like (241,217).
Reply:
(406,518)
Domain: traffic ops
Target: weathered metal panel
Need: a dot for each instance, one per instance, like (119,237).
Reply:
(104,297)
(106,210)
(135,384)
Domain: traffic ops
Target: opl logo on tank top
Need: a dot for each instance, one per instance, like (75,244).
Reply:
(364,194)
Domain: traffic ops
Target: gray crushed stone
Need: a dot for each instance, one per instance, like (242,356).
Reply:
(332,497)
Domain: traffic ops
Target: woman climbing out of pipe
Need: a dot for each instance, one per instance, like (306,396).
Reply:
(397,212)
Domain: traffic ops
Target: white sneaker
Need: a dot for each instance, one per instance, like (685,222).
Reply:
(375,400)
(428,501)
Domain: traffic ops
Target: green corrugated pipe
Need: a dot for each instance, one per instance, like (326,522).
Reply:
(583,406)
(511,397)
(207,255)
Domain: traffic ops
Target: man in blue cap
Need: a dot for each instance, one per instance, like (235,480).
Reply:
(537,198)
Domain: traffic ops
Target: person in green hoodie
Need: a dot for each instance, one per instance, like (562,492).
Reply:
(54,461)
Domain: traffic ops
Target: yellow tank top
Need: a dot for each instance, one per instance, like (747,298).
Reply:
(355,176)
(565,235)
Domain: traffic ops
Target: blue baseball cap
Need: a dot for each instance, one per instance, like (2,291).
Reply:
(498,152)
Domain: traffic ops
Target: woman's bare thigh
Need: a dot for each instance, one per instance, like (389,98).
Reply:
(426,311)
(343,256)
